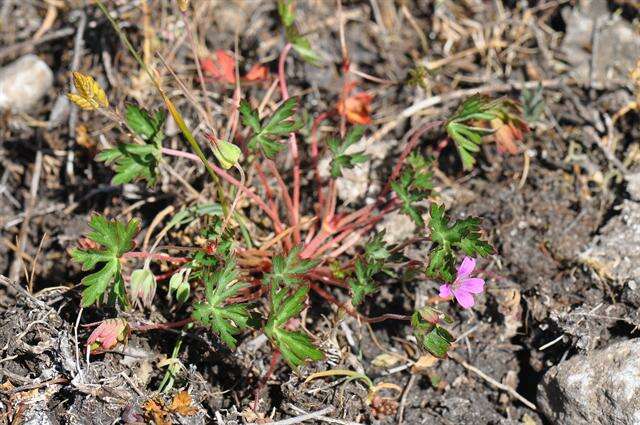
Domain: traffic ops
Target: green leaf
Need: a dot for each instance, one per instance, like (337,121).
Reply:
(462,234)
(340,159)
(132,162)
(376,248)
(287,12)
(136,161)
(277,123)
(266,134)
(287,271)
(295,346)
(414,185)
(465,127)
(376,254)
(147,126)
(249,116)
(302,46)
(362,284)
(431,336)
(226,320)
(114,240)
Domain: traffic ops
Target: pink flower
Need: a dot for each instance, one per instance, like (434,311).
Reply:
(464,285)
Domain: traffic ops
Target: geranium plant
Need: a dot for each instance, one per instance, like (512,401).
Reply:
(255,276)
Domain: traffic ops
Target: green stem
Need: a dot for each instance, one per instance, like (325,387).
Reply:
(170,374)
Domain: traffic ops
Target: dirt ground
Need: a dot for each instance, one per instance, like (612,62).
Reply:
(569,64)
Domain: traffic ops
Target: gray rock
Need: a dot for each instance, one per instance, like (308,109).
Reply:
(399,227)
(602,387)
(633,185)
(59,112)
(359,181)
(592,31)
(23,83)
(615,252)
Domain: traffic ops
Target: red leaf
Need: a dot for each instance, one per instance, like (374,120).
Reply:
(357,108)
(223,68)
(227,65)
(507,135)
(257,73)
(108,334)
(209,68)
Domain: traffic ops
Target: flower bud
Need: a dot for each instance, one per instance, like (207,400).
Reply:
(143,287)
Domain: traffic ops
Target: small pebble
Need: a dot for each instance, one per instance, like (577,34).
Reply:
(59,112)
(23,83)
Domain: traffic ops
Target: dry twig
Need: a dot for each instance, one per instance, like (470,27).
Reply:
(456,357)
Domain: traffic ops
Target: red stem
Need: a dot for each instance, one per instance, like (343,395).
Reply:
(394,174)
(155,256)
(275,358)
(281,71)
(321,277)
(169,325)
(365,222)
(405,153)
(315,153)
(292,142)
(285,193)
(310,248)
(351,312)
(167,275)
(226,176)
(263,180)
(277,224)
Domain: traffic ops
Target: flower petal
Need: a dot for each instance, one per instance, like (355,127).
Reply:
(474,285)
(466,267)
(464,298)
(445,291)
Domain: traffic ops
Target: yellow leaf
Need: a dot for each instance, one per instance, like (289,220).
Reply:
(183,5)
(424,363)
(182,404)
(386,360)
(82,102)
(82,137)
(90,95)
(155,412)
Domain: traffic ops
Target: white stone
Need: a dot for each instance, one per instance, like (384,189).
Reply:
(23,83)
(602,387)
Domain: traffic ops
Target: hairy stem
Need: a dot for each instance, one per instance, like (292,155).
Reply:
(315,152)
(351,312)
(288,202)
(413,142)
(226,176)
(168,325)
(155,256)
(292,142)
(275,358)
